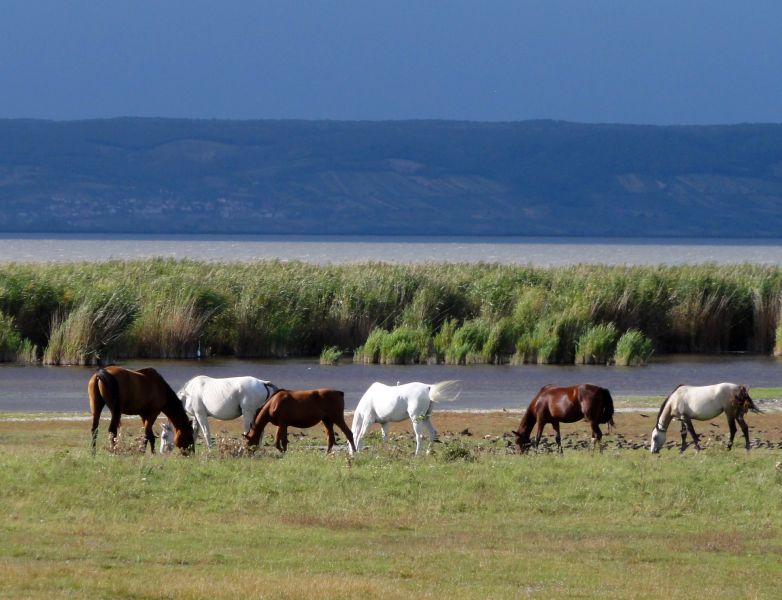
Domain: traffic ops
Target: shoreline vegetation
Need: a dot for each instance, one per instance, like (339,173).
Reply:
(86,313)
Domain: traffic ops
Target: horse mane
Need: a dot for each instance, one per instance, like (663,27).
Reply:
(173,407)
(662,406)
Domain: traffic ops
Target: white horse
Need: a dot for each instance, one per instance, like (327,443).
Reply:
(386,403)
(689,402)
(224,399)
(166,438)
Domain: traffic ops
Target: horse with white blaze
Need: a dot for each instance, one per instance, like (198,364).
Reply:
(688,402)
(385,404)
(224,399)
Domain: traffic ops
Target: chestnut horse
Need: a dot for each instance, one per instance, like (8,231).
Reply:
(301,409)
(144,393)
(557,405)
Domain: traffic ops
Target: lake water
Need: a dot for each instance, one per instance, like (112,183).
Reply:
(44,389)
(404,249)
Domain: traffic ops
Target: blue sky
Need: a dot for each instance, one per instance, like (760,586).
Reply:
(655,62)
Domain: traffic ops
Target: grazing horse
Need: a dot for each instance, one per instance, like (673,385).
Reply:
(557,405)
(144,393)
(689,402)
(391,403)
(301,409)
(224,399)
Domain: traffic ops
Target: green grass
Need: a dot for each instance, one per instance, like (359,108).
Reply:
(461,524)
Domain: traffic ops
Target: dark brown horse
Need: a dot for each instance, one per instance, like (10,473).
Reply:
(557,405)
(301,409)
(144,393)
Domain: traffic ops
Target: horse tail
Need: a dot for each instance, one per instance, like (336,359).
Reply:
(93,393)
(445,391)
(111,384)
(608,409)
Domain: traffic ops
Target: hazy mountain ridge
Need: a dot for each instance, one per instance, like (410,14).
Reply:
(406,177)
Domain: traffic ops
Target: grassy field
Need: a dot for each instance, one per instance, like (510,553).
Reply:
(471,521)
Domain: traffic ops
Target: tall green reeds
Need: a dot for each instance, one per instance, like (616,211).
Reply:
(437,312)
(330,355)
(82,335)
(633,348)
(169,329)
(596,345)
(9,339)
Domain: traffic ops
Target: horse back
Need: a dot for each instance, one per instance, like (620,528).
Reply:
(304,408)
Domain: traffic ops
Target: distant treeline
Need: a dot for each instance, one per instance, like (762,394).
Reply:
(89,312)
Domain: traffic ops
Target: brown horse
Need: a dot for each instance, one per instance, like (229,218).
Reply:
(144,393)
(557,405)
(301,409)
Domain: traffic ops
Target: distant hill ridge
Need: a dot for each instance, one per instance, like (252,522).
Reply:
(393,177)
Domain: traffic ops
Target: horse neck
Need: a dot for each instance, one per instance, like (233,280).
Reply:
(175,412)
(665,416)
(528,421)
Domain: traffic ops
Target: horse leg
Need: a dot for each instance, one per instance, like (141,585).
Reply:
(541,425)
(281,439)
(329,433)
(432,434)
(348,434)
(149,433)
(358,422)
(145,423)
(116,415)
(555,425)
(384,428)
(418,429)
(247,421)
(361,424)
(96,406)
(202,418)
(597,437)
(691,429)
(684,436)
(744,430)
(732,428)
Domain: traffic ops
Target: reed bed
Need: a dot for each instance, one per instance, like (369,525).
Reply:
(447,313)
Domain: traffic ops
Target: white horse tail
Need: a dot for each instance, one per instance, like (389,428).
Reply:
(445,391)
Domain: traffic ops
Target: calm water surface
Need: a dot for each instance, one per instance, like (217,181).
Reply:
(36,388)
(403,249)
